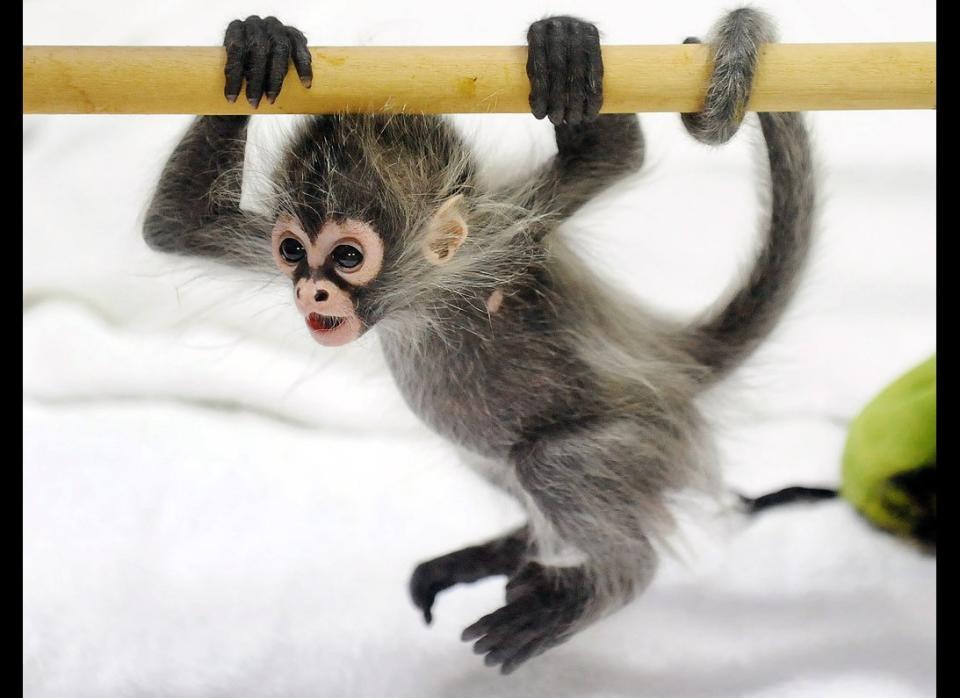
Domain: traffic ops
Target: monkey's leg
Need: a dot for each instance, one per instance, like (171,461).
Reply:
(565,68)
(597,488)
(502,555)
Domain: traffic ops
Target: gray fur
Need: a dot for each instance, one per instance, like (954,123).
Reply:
(584,399)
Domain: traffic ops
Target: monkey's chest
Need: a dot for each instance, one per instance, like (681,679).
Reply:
(489,393)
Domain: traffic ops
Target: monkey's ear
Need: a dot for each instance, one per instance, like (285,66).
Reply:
(446,231)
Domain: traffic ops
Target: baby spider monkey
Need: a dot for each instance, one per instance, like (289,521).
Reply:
(579,400)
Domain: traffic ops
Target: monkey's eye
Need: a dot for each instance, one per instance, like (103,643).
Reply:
(292,251)
(347,256)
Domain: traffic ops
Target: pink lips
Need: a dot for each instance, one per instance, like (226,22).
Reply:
(323,323)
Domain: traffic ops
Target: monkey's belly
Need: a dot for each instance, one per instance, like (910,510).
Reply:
(461,413)
(489,398)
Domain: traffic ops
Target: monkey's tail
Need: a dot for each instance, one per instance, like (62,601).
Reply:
(788,495)
(726,337)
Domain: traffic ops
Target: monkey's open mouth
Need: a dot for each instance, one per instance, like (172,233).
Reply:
(323,323)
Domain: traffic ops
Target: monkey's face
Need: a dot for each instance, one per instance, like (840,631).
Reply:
(327,269)
(333,268)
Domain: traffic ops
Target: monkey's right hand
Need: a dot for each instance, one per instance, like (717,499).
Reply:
(565,70)
(259,50)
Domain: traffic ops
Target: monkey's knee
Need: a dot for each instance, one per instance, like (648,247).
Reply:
(736,40)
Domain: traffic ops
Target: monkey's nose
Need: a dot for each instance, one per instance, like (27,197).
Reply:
(321,296)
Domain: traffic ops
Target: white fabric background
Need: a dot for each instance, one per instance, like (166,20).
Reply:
(200,521)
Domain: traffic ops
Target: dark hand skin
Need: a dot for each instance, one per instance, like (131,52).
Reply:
(259,51)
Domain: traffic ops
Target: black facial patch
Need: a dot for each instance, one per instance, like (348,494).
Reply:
(303,271)
(328,271)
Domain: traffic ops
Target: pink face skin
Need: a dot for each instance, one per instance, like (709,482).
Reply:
(329,312)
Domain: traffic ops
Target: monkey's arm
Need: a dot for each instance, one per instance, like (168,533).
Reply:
(591,156)
(565,68)
(196,207)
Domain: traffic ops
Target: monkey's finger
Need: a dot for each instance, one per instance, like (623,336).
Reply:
(302,60)
(576,74)
(258,52)
(594,98)
(557,68)
(234,42)
(537,69)
(279,59)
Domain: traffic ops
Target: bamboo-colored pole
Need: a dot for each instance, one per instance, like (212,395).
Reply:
(189,80)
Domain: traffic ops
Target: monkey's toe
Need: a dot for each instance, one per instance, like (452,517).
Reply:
(259,51)
(428,580)
(565,70)
(544,606)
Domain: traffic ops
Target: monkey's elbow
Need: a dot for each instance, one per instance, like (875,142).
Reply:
(156,232)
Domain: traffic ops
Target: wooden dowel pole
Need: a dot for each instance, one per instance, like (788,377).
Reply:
(470,79)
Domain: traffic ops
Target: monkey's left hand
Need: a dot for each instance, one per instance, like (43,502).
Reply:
(260,51)
(543,607)
(565,70)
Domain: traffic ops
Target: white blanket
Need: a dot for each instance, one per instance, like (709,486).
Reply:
(215,506)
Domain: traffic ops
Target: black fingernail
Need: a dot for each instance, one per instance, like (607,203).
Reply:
(232,98)
(254,101)
(272,97)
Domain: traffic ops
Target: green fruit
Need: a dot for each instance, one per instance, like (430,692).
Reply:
(889,463)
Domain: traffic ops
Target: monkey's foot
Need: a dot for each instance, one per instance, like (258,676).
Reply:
(565,70)
(499,556)
(543,608)
(260,50)
(431,577)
